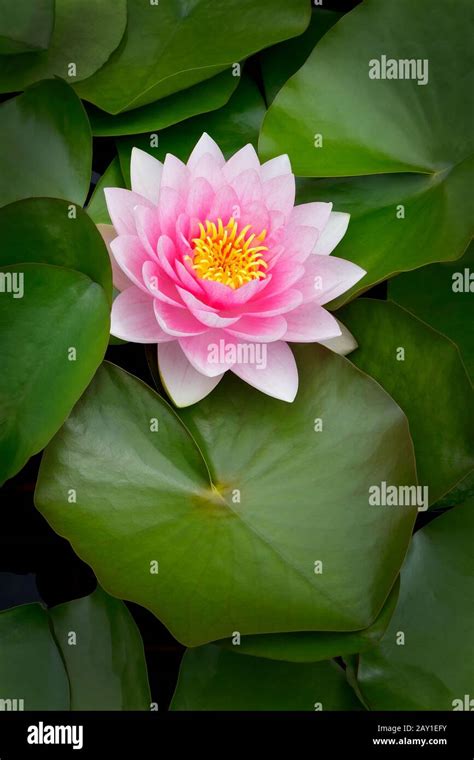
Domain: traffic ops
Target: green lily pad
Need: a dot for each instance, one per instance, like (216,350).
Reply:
(280,62)
(85,33)
(443,296)
(97,207)
(54,326)
(421,209)
(171,46)
(106,663)
(315,646)
(252,504)
(83,655)
(203,97)
(25,27)
(232,127)
(49,146)
(50,231)
(212,679)
(433,669)
(420,368)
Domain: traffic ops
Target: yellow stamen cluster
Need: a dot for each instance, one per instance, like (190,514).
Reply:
(222,255)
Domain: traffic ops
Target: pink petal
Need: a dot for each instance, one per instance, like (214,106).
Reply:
(283,276)
(166,253)
(310,323)
(148,228)
(256,215)
(332,233)
(205,145)
(119,278)
(177,322)
(225,205)
(204,313)
(326,277)
(133,318)
(314,214)
(199,199)
(207,352)
(183,384)
(259,329)
(275,167)
(279,377)
(279,194)
(171,205)
(245,158)
(248,187)
(209,168)
(187,278)
(159,284)
(299,242)
(175,174)
(130,256)
(222,297)
(277,221)
(120,205)
(182,236)
(145,174)
(274,305)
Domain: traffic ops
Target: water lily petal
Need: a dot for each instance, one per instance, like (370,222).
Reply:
(145,174)
(133,318)
(310,323)
(182,382)
(279,376)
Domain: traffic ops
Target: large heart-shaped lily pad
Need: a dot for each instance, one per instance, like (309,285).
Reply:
(25,26)
(47,145)
(203,97)
(54,326)
(443,296)
(84,35)
(424,661)
(423,371)
(353,124)
(254,503)
(212,679)
(232,127)
(314,646)
(83,655)
(173,45)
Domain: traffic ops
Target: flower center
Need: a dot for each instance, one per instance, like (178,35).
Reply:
(222,255)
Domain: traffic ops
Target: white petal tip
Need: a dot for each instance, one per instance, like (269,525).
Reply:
(343,344)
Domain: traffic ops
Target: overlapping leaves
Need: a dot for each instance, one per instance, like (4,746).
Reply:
(419,208)
(82,655)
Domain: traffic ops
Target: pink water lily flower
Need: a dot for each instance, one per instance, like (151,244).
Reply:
(217,265)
